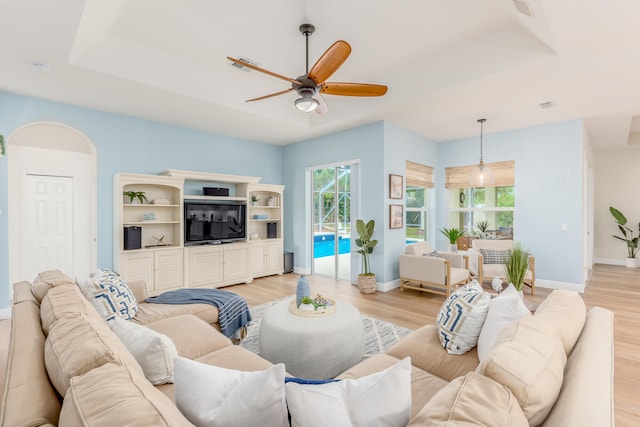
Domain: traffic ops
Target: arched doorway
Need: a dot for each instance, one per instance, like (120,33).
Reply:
(52,192)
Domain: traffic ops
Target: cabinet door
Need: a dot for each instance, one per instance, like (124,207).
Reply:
(168,269)
(236,262)
(257,258)
(275,257)
(205,266)
(138,266)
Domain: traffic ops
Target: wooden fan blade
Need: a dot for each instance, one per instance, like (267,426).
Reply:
(270,95)
(353,89)
(262,70)
(330,61)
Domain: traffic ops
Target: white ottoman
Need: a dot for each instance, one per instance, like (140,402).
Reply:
(312,347)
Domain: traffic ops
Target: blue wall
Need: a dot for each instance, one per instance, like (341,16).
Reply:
(126,144)
(548,178)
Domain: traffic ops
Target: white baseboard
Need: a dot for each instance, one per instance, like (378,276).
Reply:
(614,261)
(5,313)
(385,287)
(567,286)
(299,270)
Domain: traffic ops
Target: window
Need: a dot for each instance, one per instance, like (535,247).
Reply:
(493,205)
(416,214)
(419,180)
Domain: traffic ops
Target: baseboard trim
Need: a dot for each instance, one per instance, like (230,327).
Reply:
(608,261)
(567,286)
(387,286)
(5,313)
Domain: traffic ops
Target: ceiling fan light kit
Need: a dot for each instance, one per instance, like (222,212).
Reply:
(313,83)
(481,175)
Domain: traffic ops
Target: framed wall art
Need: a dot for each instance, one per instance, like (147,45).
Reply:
(396,186)
(396,216)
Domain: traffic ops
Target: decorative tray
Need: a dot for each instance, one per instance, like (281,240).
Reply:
(329,309)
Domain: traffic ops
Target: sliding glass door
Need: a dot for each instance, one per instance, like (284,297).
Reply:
(331,224)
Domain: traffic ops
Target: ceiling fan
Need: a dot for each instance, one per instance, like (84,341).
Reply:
(310,85)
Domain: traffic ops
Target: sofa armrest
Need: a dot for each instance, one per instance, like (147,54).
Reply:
(423,268)
(427,353)
(139,289)
(457,259)
(475,262)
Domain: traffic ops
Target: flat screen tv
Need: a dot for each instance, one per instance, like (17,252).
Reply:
(213,222)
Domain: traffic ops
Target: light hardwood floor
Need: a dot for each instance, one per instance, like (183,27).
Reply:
(611,287)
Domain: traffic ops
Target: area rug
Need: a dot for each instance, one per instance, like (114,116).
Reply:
(378,334)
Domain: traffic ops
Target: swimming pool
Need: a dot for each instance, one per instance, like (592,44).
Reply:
(324,245)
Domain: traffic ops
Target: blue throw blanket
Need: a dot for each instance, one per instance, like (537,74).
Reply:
(233,312)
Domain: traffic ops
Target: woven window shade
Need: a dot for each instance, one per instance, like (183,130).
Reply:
(458,177)
(419,175)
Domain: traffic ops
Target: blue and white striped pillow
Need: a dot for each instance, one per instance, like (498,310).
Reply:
(461,317)
(111,296)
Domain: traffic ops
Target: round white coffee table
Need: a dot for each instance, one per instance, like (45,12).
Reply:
(312,347)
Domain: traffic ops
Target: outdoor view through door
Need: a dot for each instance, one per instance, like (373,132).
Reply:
(332,221)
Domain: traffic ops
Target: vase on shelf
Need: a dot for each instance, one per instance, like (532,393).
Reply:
(302,290)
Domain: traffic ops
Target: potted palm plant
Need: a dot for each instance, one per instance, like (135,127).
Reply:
(134,196)
(516,266)
(453,234)
(482,227)
(366,279)
(627,236)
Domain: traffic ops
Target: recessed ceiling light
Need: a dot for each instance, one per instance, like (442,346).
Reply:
(39,66)
(548,104)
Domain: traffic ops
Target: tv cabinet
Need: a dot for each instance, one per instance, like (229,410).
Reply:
(172,265)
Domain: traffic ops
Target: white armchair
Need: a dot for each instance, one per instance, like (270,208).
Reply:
(437,274)
(485,269)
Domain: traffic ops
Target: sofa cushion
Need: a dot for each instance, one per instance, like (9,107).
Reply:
(29,398)
(112,395)
(154,351)
(426,352)
(47,280)
(567,311)
(529,359)
(461,317)
(472,400)
(209,395)
(61,301)
(424,385)
(494,256)
(380,399)
(193,337)
(504,309)
(110,295)
(99,345)
(148,313)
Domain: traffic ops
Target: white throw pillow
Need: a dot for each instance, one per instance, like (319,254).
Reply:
(381,399)
(504,309)
(154,352)
(110,295)
(461,317)
(209,395)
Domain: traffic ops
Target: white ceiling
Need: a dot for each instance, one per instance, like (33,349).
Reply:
(447,63)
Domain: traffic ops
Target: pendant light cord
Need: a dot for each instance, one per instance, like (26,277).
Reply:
(481,121)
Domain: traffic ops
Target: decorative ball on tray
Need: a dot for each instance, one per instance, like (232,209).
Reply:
(306,304)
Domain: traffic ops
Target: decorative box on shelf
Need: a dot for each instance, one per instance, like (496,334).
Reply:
(260,216)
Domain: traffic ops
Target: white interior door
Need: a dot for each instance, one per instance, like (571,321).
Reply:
(49,224)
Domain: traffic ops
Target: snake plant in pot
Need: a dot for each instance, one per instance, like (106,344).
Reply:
(627,237)
(366,279)
(516,266)
(453,234)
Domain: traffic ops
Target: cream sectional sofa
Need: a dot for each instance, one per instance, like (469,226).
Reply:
(66,367)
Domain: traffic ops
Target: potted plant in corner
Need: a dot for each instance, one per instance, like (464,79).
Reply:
(453,234)
(632,242)
(366,279)
(515,268)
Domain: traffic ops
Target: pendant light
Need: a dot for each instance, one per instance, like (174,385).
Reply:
(481,175)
